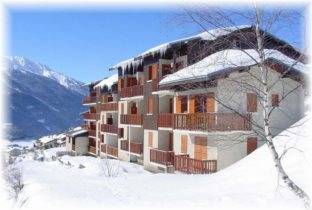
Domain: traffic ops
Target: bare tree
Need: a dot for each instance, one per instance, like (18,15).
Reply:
(255,46)
(109,167)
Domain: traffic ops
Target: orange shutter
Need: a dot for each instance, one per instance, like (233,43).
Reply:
(178,104)
(275,100)
(150,104)
(184,144)
(192,103)
(251,102)
(120,84)
(210,102)
(150,139)
(200,148)
(251,144)
(154,71)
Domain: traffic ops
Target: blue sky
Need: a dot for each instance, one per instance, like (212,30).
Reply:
(83,44)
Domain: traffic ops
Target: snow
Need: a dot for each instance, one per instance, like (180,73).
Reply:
(248,184)
(227,59)
(162,48)
(24,65)
(109,81)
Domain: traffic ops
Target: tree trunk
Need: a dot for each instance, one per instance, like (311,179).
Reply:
(269,139)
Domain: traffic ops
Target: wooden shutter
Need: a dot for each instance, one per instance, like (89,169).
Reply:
(150,139)
(154,71)
(150,104)
(251,102)
(275,100)
(251,144)
(192,104)
(200,148)
(184,144)
(210,102)
(178,104)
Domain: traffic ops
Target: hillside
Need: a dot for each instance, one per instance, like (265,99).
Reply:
(248,184)
(41,101)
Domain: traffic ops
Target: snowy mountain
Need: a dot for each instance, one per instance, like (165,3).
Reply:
(41,101)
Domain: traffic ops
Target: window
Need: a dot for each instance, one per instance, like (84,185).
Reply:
(134,109)
(275,100)
(150,139)
(166,69)
(102,138)
(183,104)
(150,105)
(200,103)
(179,65)
(251,102)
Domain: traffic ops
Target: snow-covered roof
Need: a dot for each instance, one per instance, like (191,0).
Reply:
(207,35)
(109,81)
(228,59)
(76,132)
(46,139)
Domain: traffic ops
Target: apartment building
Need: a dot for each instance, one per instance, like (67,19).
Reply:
(179,106)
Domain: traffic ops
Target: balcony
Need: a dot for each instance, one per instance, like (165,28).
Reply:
(135,147)
(92,149)
(212,122)
(92,133)
(109,128)
(192,166)
(89,100)
(109,107)
(205,121)
(132,119)
(162,157)
(111,150)
(89,116)
(165,120)
(132,91)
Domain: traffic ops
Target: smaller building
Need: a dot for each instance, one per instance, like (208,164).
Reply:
(77,140)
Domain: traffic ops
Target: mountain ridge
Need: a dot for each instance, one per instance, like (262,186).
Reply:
(42,101)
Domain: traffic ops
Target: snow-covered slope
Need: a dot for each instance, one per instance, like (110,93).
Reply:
(41,101)
(25,65)
(251,183)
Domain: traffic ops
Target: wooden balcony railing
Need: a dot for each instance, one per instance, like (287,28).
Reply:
(136,90)
(162,157)
(89,100)
(103,148)
(212,121)
(109,128)
(92,149)
(135,119)
(90,116)
(135,147)
(192,166)
(92,133)
(109,107)
(165,120)
(111,150)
